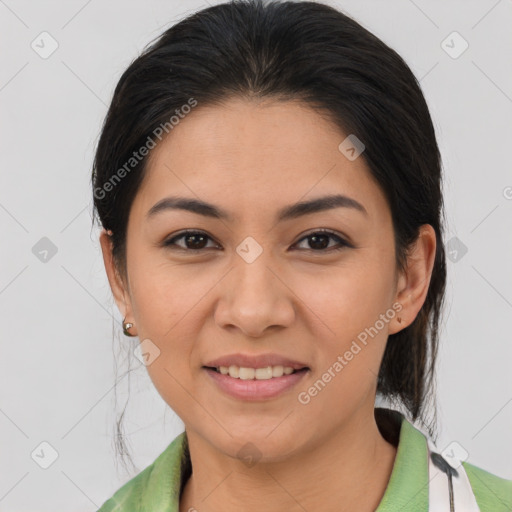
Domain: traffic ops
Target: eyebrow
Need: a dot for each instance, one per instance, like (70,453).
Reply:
(288,212)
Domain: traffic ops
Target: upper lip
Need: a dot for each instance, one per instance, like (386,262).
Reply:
(259,361)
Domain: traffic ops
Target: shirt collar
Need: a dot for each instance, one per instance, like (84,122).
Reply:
(407,488)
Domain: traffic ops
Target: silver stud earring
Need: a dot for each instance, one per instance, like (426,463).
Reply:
(126,326)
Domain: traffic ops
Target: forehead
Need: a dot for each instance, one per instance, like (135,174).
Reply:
(251,155)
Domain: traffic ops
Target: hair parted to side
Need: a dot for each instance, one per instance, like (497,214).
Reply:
(304,51)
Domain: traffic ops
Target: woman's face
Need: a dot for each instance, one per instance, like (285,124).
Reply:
(253,283)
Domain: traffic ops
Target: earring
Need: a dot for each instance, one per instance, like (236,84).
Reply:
(126,326)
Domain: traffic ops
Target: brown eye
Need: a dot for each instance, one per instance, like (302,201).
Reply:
(319,241)
(192,241)
(195,241)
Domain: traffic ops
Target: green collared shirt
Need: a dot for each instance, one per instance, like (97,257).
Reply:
(157,488)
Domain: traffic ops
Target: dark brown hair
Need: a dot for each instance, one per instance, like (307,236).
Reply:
(319,55)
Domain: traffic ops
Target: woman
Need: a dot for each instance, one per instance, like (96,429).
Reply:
(269,186)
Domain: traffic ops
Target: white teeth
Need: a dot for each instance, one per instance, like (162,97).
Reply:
(277,371)
(240,372)
(263,373)
(245,373)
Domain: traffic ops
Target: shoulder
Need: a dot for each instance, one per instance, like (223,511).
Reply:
(129,495)
(492,493)
(160,481)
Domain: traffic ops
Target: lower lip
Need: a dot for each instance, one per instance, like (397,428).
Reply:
(253,389)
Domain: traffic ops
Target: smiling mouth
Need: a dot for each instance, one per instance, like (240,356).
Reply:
(266,373)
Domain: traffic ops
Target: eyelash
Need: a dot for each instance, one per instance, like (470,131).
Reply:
(342,242)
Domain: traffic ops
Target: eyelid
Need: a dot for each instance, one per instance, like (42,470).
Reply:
(343,241)
(180,234)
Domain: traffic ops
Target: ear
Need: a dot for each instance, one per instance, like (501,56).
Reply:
(413,284)
(118,286)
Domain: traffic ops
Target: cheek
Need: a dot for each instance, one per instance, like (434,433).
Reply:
(168,314)
(164,314)
(345,300)
(165,296)
(347,309)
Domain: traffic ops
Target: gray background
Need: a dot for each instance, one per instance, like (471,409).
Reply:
(58,319)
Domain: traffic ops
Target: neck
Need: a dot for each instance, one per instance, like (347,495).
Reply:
(349,470)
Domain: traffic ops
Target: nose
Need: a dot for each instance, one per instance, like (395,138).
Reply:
(254,298)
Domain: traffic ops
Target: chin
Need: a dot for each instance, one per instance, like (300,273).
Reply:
(260,447)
